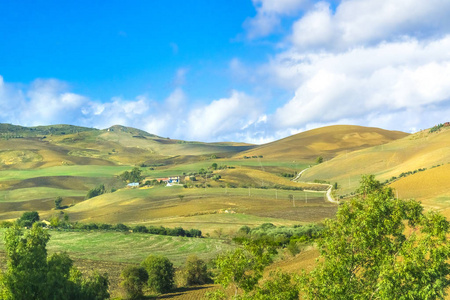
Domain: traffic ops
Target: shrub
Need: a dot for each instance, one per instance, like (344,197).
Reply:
(195,271)
(160,273)
(28,218)
(133,280)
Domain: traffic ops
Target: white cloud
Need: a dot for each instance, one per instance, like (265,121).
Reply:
(268,15)
(367,81)
(365,22)
(223,116)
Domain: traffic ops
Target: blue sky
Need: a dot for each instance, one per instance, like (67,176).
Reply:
(249,71)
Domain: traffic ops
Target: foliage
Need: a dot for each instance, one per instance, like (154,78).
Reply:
(58,202)
(133,280)
(28,218)
(97,191)
(30,275)
(319,160)
(280,286)
(243,267)
(195,271)
(436,128)
(379,247)
(135,175)
(279,236)
(160,273)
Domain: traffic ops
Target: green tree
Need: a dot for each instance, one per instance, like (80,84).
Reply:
(97,191)
(280,286)
(30,275)
(195,271)
(243,267)
(133,280)
(58,202)
(319,160)
(160,273)
(28,218)
(379,247)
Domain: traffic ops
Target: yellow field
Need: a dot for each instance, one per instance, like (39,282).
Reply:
(326,141)
(420,150)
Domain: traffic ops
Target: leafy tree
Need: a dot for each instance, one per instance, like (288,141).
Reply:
(280,286)
(214,166)
(243,267)
(30,275)
(97,191)
(195,271)
(133,280)
(58,202)
(160,273)
(28,218)
(319,160)
(379,247)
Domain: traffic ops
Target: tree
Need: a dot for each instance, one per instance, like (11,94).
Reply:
(319,160)
(243,267)
(160,273)
(133,280)
(30,275)
(97,191)
(58,202)
(28,218)
(195,271)
(280,286)
(379,247)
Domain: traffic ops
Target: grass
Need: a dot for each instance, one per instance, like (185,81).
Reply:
(420,150)
(196,166)
(37,193)
(132,248)
(78,170)
(163,205)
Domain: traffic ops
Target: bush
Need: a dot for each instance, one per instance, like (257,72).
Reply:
(195,271)
(160,273)
(28,218)
(133,280)
(97,191)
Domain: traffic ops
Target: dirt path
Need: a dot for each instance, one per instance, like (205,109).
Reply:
(328,193)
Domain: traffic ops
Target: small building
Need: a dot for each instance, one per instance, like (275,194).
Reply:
(133,185)
(171,179)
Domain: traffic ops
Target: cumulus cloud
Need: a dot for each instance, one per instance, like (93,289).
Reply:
(224,116)
(46,102)
(391,77)
(268,15)
(366,22)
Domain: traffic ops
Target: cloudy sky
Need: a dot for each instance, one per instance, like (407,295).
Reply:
(235,70)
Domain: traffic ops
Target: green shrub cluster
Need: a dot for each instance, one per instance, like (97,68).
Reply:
(280,236)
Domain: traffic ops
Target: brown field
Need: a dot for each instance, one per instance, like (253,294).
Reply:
(420,150)
(326,141)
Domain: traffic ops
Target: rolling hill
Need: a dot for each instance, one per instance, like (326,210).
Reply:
(417,156)
(327,141)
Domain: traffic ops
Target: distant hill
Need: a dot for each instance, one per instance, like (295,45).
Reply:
(54,145)
(410,164)
(14,131)
(327,141)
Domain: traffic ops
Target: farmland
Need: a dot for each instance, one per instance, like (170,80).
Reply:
(224,186)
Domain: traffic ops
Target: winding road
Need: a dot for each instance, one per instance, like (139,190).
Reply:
(328,193)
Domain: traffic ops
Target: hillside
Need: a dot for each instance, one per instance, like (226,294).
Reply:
(416,152)
(327,141)
(47,146)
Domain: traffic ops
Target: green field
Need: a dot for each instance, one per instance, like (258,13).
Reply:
(79,170)
(28,194)
(130,247)
(196,166)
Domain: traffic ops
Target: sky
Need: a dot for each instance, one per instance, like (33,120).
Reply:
(237,70)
